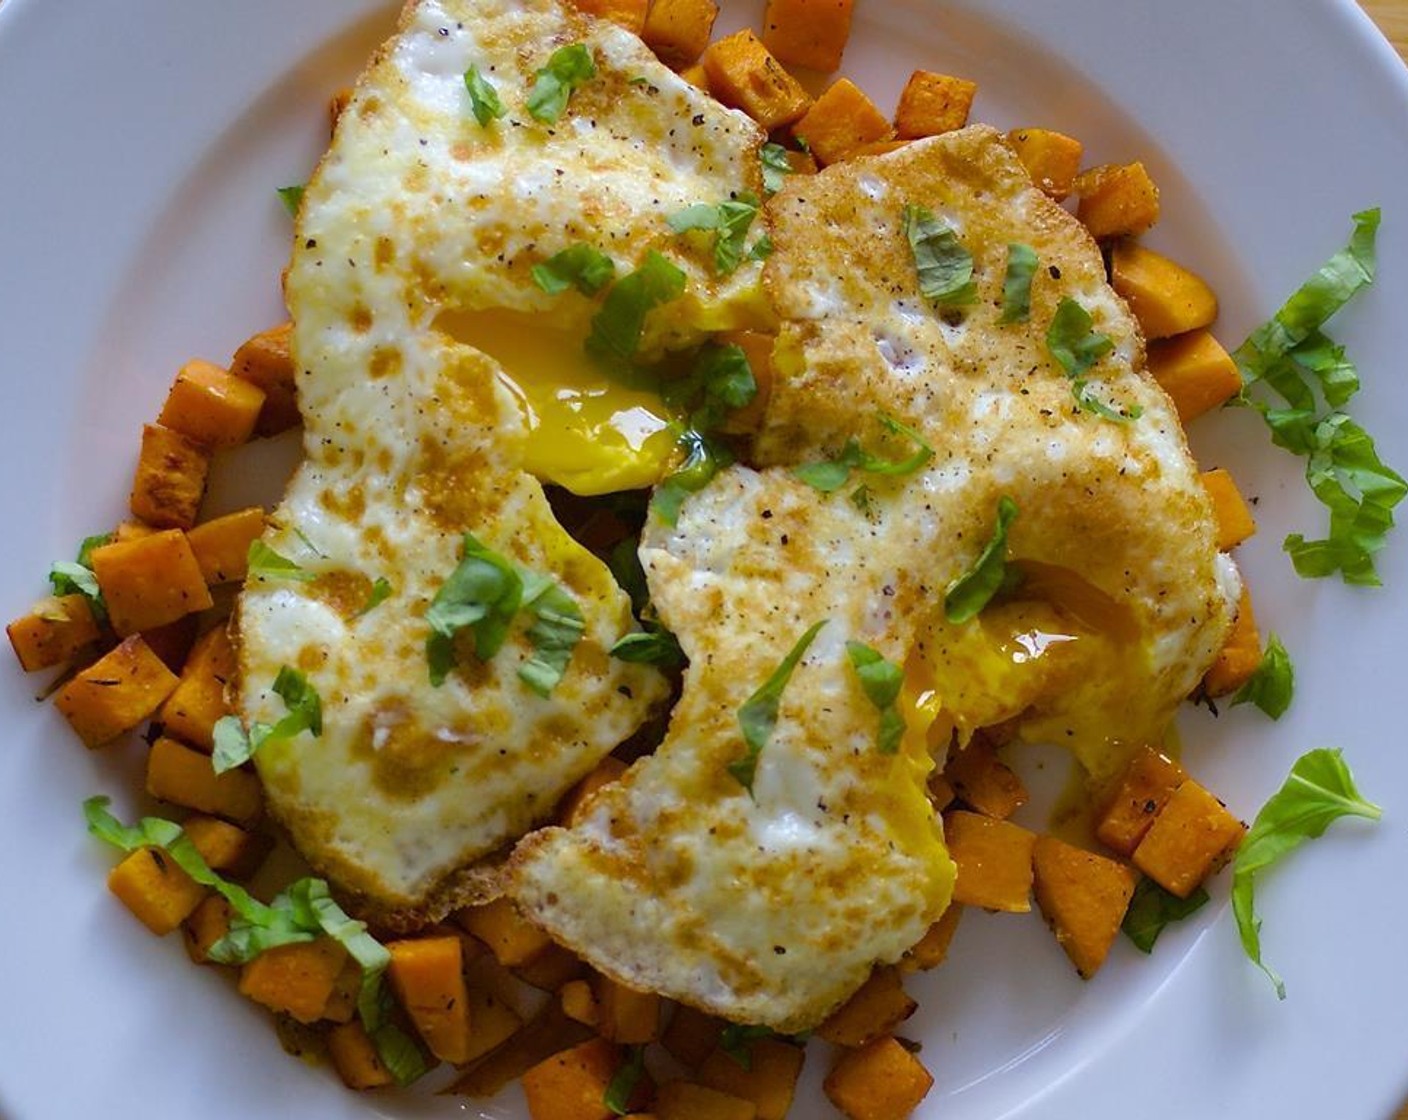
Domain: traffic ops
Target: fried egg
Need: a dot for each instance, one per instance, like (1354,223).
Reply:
(771,905)
(440,388)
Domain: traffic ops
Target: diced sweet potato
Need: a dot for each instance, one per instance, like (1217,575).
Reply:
(1240,654)
(492,1021)
(630,14)
(1195,371)
(173,641)
(233,851)
(550,1032)
(1190,839)
(53,632)
(571,810)
(170,478)
(551,968)
(983,782)
(678,30)
(511,937)
(931,104)
(426,975)
(691,1035)
(994,860)
(841,121)
(355,1058)
(1145,787)
(579,1002)
(295,979)
(627,1016)
(149,582)
(684,1100)
(265,361)
(1083,897)
(206,925)
(198,703)
(1117,200)
(572,1085)
(757,348)
(877,1008)
(115,693)
(221,545)
(1051,158)
(808,33)
(882,1081)
(744,75)
(1165,297)
(1234,517)
(931,949)
(131,530)
(183,776)
(770,1081)
(151,884)
(211,406)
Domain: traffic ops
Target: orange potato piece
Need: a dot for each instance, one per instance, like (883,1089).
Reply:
(744,75)
(265,361)
(1234,518)
(1083,897)
(225,847)
(198,703)
(131,530)
(295,979)
(931,949)
(691,1035)
(994,860)
(931,104)
(1240,654)
(572,1085)
(355,1058)
(151,884)
(1190,839)
(1051,158)
(882,1081)
(683,1100)
(550,1032)
(170,478)
(1148,782)
(1117,200)
(770,1082)
(512,938)
(52,632)
(173,641)
(984,782)
(627,1016)
(221,545)
(211,406)
(493,1021)
(116,693)
(678,30)
(149,582)
(808,33)
(572,808)
(840,122)
(1165,297)
(630,14)
(877,1008)
(1195,371)
(206,925)
(426,975)
(579,1002)
(182,776)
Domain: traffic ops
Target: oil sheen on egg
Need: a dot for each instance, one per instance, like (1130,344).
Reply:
(440,387)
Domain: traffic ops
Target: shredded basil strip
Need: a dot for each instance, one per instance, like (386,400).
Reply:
(582,266)
(265,563)
(292,198)
(757,718)
(704,457)
(1319,790)
(380,592)
(557,628)
(974,589)
(568,68)
(233,747)
(482,595)
(945,267)
(730,222)
(720,381)
(1088,402)
(653,646)
(618,326)
(624,1081)
(776,167)
(881,680)
(1072,339)
(75,577)
(484,100)
(736,1040)
(1152,909)
(830,475)
(1272,685)
(1017,283)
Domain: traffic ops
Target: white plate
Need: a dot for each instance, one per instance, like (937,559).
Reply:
(138,227)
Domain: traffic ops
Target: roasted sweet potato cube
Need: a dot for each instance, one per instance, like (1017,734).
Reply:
(808,33)
(994,861)
(206,925)
(1117,200)
(491,1019)
(149,582)
(572,1085)
(1051,158)
(1234,517)
(770,1081)
(691,1035)
(550,1032)
(426,973)
(1148,782)
(1191,838)
(744,75)
(183,776)
(221,545)
(173,641)
(572,808)
(684,1100)
(678,30)
(882,1081)
(877,1008)
(233,851)
(1240,654)
(1195,371)
(629,14)
(131,530)
(211,406)
(511,937)
(931,104)
(841,121)
(116,693)
(152,885)
(53,632)
(191,712)
(983,782)
(295,979)
(1083,897)
(931,949)
(170,478)
(757,348)
(579,1002)
(627,1016)
(265,361)
(355,1058)
(1165,297)
(551,968)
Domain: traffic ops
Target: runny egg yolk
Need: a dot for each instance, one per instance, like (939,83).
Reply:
(586,432)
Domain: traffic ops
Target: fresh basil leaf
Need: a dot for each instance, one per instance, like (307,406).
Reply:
(624,1081)
(1151,909)
(625,565)
(380,592)
(89,544)
(730,221)
(881,680)
(1272,685)
(720,381)
(776,167)
(758,716)
(76,577)
(557,628)
(292,198)
(618,326)
(1088,402)
(482,595)
(973,590)
(1017,283)
(945,267)
(484,100)
(233,747)
(703,459)
(399,1054)
(1072,339)
(736,1040)
(582,266)
(830,475)
(568,68)
(265,563)
(655,646)
(312,896)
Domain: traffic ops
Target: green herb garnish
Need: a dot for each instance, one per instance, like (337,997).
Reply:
(758,716)
(974,589)
(483,97)
(1072,339)
(736,1040)
(1152,908)
(233,747)
(582,266)
(1272,685)
(624,1081)
(945,267)
(881,681)
(653,646)
(380,592)
(567,69)
(292,198)
(776,167)
(618,326)
(557,628)
(75,577)
(265,563)
(830,475)
(729,221)
(704,457)
(1017,284)
(482,595)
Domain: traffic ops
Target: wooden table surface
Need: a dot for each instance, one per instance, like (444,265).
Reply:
(1392,17)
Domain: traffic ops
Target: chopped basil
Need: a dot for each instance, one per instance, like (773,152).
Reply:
(399,1054)
(567,69)
(720,381)
(76,577)
(1272,685)
(484,100)
(736,1040)
(758,716)
(1017,284)
(624,1081)
(1152,908)
(653,646)
(482,595)
(1088,402)
(776,167)
(831,474)
(730,221)
(582,266)
(881,681)
(974,589)
(292,198)
(380,592)
(557,628)
(265,563)
(1319,790)
(704,457)
(1072,339)
(233,747)
(617,327)
(945,267)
